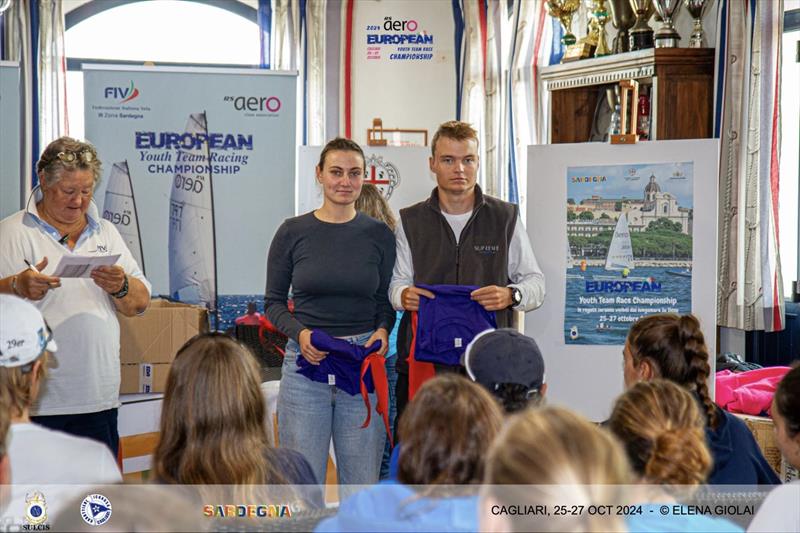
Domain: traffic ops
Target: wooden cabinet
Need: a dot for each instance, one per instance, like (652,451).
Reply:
(681,93)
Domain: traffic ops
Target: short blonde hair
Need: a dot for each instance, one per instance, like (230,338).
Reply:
(51,167)
(456,130)
(17,384)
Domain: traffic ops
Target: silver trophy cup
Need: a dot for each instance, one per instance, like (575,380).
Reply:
(696,8)
(666,36)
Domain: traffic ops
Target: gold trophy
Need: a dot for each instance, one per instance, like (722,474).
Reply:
(622,17)
(641,33)
(667,36)
(600,15)
(564,10)
(696,9)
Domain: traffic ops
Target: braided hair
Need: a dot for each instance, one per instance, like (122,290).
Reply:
(675,346)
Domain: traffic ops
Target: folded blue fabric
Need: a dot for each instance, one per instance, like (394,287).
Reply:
(343,361)
(448,323)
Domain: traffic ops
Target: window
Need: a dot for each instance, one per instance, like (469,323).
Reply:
(210,33)
(789,196)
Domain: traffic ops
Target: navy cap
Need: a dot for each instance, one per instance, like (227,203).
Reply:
(505,355)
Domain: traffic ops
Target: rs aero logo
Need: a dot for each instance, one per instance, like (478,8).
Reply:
(255,103)
(121,94)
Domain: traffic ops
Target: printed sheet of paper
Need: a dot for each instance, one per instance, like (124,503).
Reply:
(81,266)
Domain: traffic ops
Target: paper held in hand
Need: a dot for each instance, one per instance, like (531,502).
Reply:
(81,266)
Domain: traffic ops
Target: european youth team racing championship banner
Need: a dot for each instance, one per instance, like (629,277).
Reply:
(400,173)
(195,174)
(629,247)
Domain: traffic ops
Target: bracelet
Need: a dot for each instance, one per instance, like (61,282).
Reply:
(123,292)
(14,286)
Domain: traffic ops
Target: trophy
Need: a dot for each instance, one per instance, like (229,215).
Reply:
(666,36)
(642,34)
(696,9)
(563,10)
(599,17)
(622,19)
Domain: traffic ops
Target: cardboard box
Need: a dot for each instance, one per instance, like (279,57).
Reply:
(143,377)
(156,335)
(763,430)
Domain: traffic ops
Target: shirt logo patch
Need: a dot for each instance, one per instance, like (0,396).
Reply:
(486,249)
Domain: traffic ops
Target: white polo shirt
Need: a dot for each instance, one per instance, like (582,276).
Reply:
(84,375)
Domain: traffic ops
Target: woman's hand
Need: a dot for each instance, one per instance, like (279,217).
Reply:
(380,335)
(307,350)
(34,285)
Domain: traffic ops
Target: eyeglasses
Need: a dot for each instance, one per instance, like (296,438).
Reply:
(68,156)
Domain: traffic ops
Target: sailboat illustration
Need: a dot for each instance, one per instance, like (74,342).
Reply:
(571,264)
(120,209)
(620,253)
(192,242)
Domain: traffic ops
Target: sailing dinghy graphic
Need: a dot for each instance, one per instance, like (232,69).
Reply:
(120,209)
(192,242)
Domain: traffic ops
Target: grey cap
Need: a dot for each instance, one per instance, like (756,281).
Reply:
(498,356)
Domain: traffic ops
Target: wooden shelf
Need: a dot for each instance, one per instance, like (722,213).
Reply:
(681,95)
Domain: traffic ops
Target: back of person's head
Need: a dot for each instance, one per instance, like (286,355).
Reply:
(663,432)
(509,365)
(372,203)
(138,508)
(673,348)
(25,341)
(445,432)
(786,413)
(571,460)
(455,130)
(212,420)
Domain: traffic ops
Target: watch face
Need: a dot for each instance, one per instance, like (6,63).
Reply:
(516,295)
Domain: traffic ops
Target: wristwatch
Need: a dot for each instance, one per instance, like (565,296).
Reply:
(123,292)
(516,296)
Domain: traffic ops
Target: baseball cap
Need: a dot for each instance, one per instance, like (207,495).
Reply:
(497,356)
(24,335)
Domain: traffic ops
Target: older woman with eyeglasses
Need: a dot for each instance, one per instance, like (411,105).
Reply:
(81,395)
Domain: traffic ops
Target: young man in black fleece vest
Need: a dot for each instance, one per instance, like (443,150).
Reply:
(461,236)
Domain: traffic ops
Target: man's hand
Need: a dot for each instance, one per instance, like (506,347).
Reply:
(492,297)
(380,335)
(33,285)
(307,350)
(109,278)
(410,297)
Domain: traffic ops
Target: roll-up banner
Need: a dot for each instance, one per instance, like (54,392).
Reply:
(198,173)
(11,179)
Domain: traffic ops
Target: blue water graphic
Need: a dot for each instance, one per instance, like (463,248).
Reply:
(581,327)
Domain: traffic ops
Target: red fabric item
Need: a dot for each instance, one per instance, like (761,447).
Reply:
(748,392)
(418,371)
(348,68)
(266,325)
(376,363)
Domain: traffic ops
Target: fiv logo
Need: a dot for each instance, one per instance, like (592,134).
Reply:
(121,94)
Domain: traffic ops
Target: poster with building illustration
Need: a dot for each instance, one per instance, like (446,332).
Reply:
(629,251)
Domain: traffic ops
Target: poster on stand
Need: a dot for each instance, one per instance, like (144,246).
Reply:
(401,173)
(629,247)
(11,180)
(620,231)
(195,174)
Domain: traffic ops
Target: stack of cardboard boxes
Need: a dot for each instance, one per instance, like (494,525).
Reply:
(148,343)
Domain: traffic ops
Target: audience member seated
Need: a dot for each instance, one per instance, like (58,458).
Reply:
(446,431)
(672,347)
(510,366)
(780,511)
(213,429)
(662,430)
(549,457)
(39,455)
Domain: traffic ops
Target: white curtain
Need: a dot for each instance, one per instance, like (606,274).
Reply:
(52,67)
(750,294)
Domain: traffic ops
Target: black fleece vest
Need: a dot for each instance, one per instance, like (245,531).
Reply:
(480,258)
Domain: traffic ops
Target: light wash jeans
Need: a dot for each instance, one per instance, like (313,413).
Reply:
(310,413)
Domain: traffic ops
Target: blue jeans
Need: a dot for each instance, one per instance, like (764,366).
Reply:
(310,413)
(391,376)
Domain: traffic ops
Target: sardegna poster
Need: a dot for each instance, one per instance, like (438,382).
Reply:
(198,171)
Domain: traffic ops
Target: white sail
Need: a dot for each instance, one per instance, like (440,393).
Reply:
(192,261)
(620,253)
(120,209)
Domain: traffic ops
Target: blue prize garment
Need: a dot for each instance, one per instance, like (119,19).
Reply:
(448,323)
